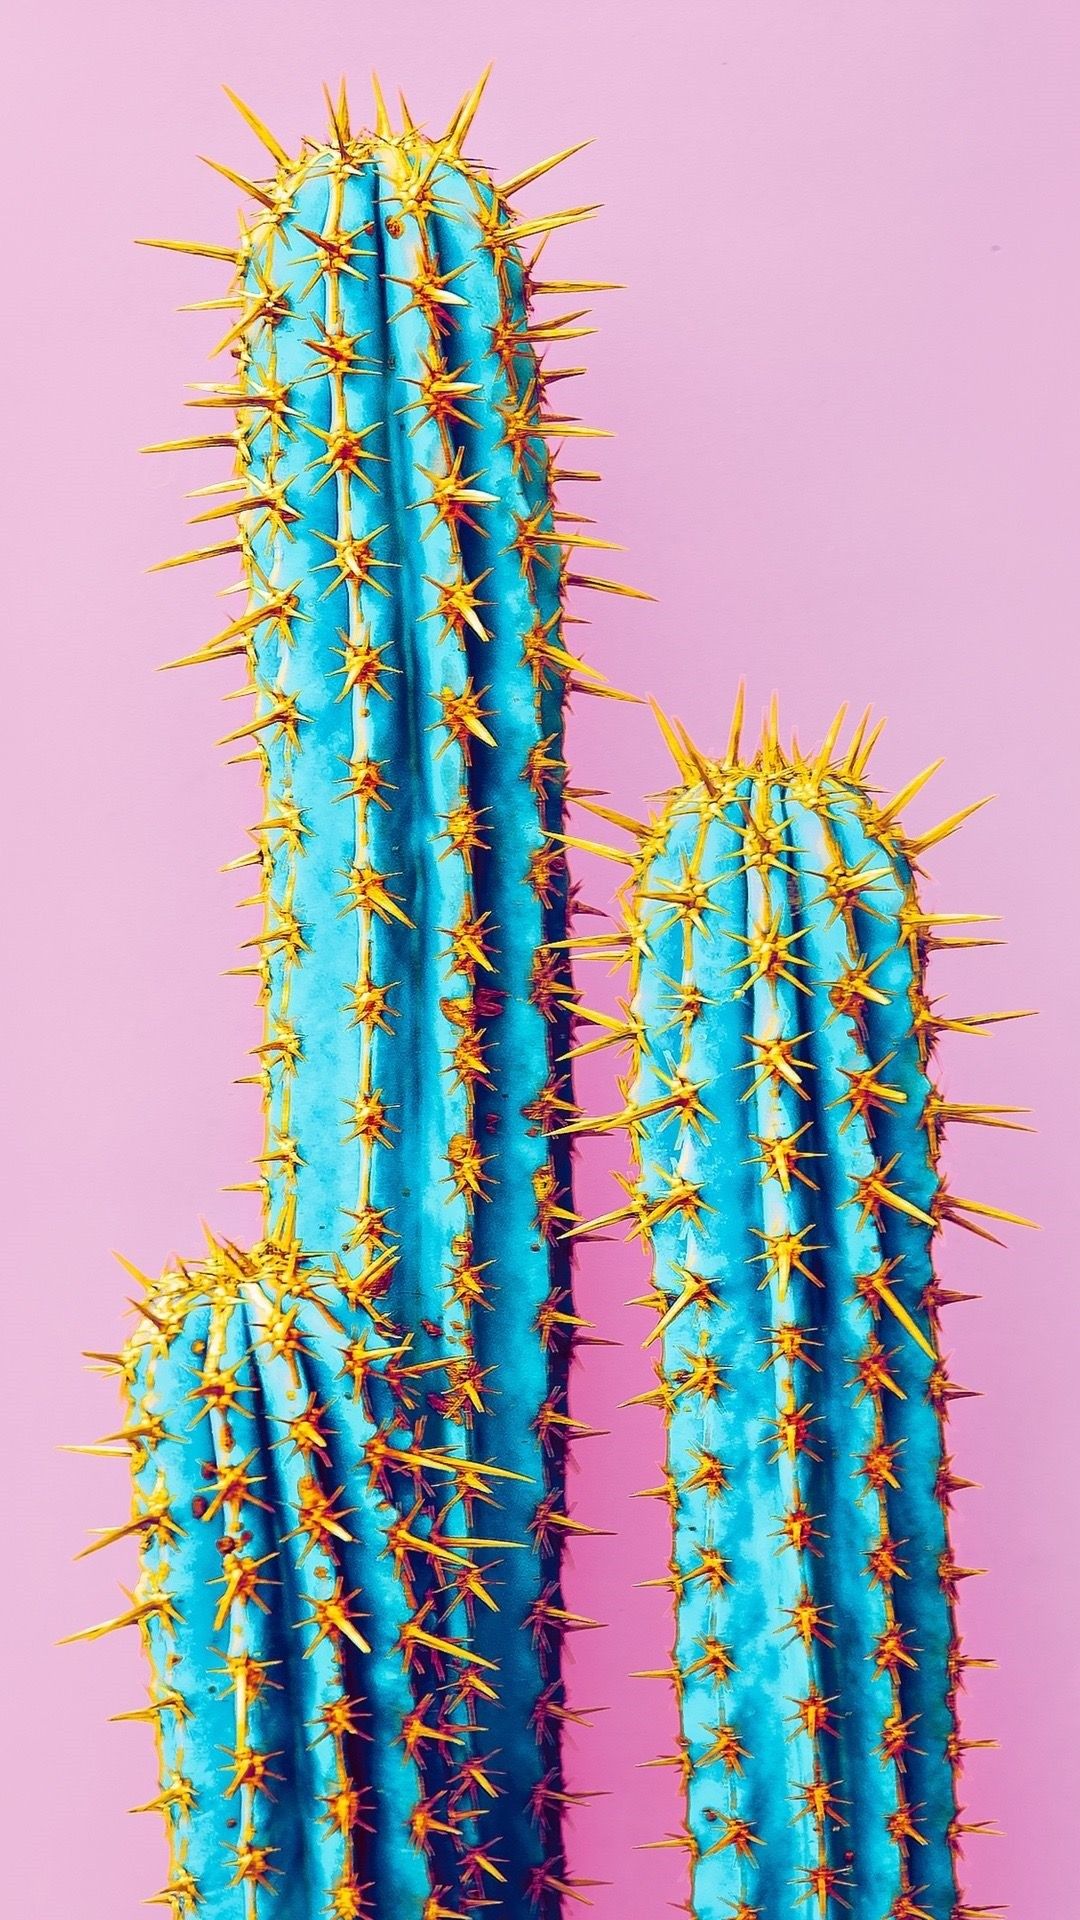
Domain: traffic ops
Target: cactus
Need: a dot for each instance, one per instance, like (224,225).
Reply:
(785,1132)
(350,1441)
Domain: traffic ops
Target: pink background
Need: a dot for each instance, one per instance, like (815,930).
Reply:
(843,380)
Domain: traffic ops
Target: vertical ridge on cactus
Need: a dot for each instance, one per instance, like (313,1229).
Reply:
(350,1441)
(785,1133)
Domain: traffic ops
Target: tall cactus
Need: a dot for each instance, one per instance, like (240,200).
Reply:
(785,1131)
(350,1441)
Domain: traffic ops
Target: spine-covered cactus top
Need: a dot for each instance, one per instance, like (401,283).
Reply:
(349,1442)
(785,1129)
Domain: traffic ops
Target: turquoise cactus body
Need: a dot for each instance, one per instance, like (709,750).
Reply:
(350,1441)
(785,1131)
(270,1599)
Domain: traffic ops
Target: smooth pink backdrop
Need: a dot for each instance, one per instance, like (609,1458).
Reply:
(843,381)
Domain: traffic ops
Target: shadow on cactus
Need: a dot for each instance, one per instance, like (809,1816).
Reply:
(785,1131)
(349,1443)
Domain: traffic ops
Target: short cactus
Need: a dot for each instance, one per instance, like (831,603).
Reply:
(350,1441)
(785,1131)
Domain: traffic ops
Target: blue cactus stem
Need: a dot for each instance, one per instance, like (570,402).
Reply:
(785,1133)
(386,1557)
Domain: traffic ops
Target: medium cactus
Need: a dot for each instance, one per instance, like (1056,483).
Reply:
(350,1441)
(785,1132)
